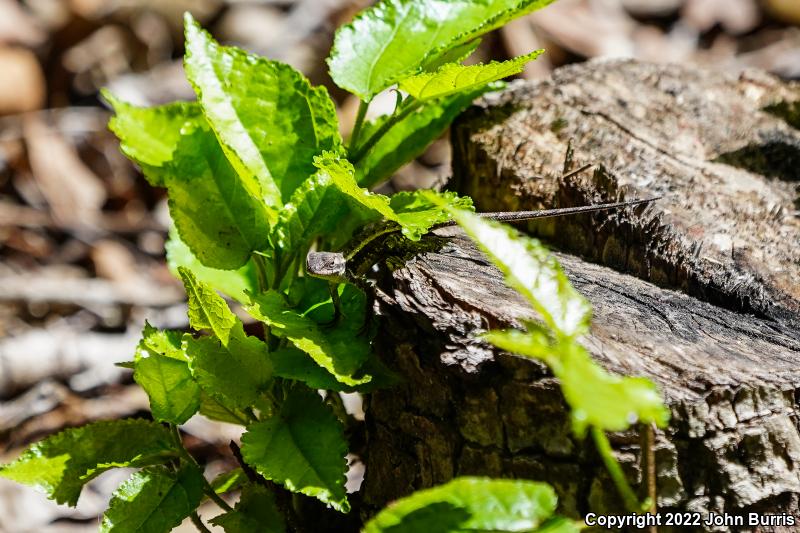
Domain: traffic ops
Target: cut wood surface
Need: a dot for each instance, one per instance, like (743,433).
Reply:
(699,292)
(720,149)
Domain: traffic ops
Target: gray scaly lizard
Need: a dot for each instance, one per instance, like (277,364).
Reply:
(351,264)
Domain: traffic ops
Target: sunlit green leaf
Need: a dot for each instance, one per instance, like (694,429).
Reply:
(294,364)
(154,500)
(207,309)
(339,173)
(469,504)
(339,350)
(162,343)
(595,396)
(414,209)
(150,135)
(235,373)
(216,215)
(161,368)
(414,215)
(397,38)
(532,271)
(453,78)
(234,283)
(61,464)
(269,119)
(174,395)
(301,447)
(230,365)
(314,208)
(228,481)
(255,512)
(410,137)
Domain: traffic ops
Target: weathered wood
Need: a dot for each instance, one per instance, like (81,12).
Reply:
(725,349)
(721,149)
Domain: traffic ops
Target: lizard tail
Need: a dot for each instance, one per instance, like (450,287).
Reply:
(510,216)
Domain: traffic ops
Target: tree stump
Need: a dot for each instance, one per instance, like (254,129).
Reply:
(699,292)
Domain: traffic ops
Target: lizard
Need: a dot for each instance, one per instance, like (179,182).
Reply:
(347,265)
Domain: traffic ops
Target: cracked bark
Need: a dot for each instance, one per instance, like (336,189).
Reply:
(698,292)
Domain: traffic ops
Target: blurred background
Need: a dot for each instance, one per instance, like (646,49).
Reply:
(82,235)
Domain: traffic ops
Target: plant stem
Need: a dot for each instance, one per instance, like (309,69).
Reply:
(199,523)
(207,488)
(362,114)
(362,150)
(261,272)
(648,467)
(615,470)
(263,286)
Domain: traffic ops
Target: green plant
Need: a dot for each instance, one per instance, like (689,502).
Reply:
(257,173)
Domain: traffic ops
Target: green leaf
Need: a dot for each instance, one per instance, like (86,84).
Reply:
(207,309)
(235,373)
(150,135)
(215,213)
(339,350)
(254,512)
(61,464)
(560,524)
(301,447)
(234,283)
(219,219)
(160,343)
(213,409)
(410,137)
(456,54)
(454,78)
(397,38)
(230,365)
(294,364)
(595,396)
(338,172)
(532,271)
(469,504)
(413,220)
(228,481)
(154,500)
(269,119)
(174,394)
(315,208)
(415,210)
(607,401)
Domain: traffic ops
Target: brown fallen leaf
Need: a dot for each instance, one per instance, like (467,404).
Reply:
(22,84)
(18,26)
(589,28)
(735,16)
(114,262)
(73,192)
(520,38)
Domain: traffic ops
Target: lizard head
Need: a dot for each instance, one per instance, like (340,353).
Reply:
(330,266)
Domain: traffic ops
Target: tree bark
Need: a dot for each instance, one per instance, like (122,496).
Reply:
(698,292)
